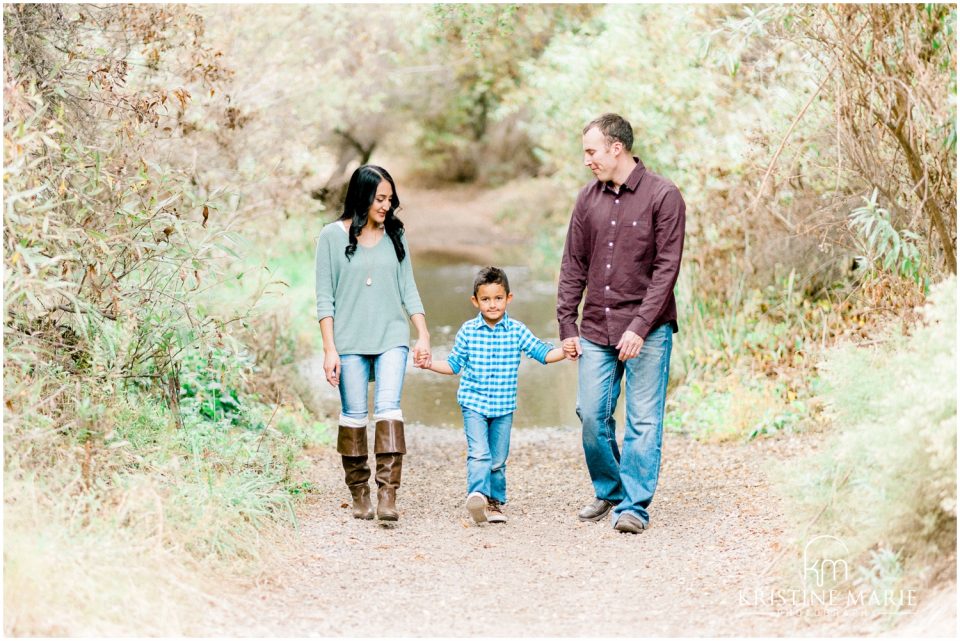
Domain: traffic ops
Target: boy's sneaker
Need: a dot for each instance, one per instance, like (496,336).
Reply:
(477,507)
(495,512)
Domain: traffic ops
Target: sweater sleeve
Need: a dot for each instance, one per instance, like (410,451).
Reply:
(324,278)
(408,286)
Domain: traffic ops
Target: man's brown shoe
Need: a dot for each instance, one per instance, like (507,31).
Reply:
(595,510)
(627,522)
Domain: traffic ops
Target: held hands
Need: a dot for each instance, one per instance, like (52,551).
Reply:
(630,345)
(421,354)
(571,348)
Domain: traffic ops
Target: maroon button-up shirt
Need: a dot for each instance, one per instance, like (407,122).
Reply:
(625,249)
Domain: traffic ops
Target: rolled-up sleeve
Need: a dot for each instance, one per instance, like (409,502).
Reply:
(458,355)
(573,274)
(408,286)
(533,346)
(669,223)
(324,279)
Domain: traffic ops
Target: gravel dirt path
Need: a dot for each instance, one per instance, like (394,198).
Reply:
(716,528)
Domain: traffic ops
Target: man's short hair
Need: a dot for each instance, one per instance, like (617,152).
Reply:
(491,276)
(614,127)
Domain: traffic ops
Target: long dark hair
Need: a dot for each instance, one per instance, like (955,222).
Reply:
(360,196)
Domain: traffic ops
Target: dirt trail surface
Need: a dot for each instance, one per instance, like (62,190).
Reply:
(716,528)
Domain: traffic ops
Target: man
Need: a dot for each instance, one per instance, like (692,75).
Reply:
(623,245)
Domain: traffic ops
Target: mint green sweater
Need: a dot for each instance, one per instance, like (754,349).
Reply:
(367,319)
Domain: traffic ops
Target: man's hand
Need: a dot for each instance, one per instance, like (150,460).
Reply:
(630,345)
(571,348)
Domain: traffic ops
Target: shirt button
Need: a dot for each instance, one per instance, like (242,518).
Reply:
(607,287)
(606,309)
(634,223)
(611,244)
(608,265)
(617,201)
(613,222)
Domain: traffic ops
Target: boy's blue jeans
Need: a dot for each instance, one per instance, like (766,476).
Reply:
(488,445)
(627,479)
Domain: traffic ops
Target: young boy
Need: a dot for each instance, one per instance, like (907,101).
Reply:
(486,352)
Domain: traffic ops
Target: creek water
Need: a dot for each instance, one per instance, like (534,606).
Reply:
(546,394)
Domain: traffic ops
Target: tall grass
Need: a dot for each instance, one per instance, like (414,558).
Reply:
(138,507)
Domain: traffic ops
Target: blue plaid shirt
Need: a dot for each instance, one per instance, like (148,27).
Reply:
(488,358)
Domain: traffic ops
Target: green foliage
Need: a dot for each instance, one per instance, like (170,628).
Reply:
(465,134)
(218,483)
(883,571)
(108,253)
(895,107)
(294,268)
(133,403)
(887,248)
(886,484)
(771,331)
(648,70)
(158,231)
(212,384)
(731,410)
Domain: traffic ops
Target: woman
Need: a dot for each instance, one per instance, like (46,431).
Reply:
(365,292)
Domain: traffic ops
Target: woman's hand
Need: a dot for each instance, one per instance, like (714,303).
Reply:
(421,350)
(421,353)
(331,367)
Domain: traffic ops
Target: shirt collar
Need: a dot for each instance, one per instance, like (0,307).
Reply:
(633,180)
(479,322)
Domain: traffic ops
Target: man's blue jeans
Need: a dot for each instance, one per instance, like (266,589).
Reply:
(488,445)
(627,479)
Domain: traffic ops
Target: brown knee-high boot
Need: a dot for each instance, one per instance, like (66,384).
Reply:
(352,446)
(389,448)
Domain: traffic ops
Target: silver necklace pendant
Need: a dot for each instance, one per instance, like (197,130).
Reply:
(369,281)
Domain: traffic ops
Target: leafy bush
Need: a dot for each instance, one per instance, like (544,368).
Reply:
(887,480)
(886,247)
(132,421)
(729,409)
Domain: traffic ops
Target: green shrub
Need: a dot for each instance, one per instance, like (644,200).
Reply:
(735,408)
(886,484)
